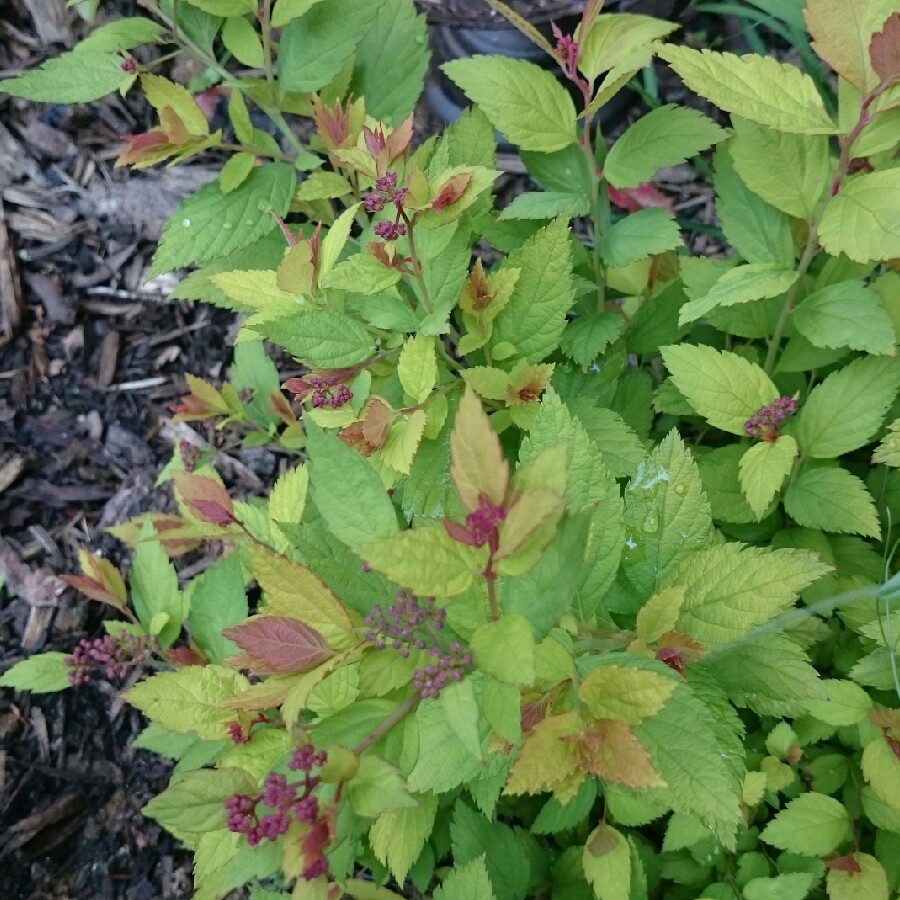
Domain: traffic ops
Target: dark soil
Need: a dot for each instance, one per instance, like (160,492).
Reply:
(91,358)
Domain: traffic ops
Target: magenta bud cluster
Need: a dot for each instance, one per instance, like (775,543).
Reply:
(386,191)
(111,657)
(764,424)
(325,394)
(287,800)
(390,231)
(413,624)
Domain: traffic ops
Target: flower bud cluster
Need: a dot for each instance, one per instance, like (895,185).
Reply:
(411,624)
(112,657)
(325,394)
(765,422)
(288,801)
(386,191)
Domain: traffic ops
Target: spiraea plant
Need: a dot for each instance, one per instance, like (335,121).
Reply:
(582,584)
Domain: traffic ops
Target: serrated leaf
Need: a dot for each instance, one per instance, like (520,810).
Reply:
(789,886)
(659,614)
(322,338)
(288,497)
(847,704)
(391,62)
(427,561)
(417,367)
(121,34)
(545,205)
(477,464)
(586,337)
(867,880)
(759,88)
(217,600)
(399,450)
(666,136)
(210,224)
(888,451)
(848,314)
(762,471)
(535,316)
(804,172)
(833,422)
(43,673)
(860,222)
(638,236)
(811,825)
(755,281)
(279,644)
(555,817)
(624,694)
(335,29)
(732,588)
(71,78)
(522,100)
(287,10)
(242,42)
(195,803)
(190,699)
(614,38)
(505,649)
(224,7)
(397,837)
(347,491)
(606,861)
(154,587)
(362,274)
(724,388)
(470,881)
(443,762)
(378,788)
(841,35)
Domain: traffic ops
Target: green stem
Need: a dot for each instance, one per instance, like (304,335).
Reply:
(418,270)
(266,23)
(400,713)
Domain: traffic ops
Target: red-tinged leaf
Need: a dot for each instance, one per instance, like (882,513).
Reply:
(610,751)
(644,196)
(94,589)
(281,406)
(460,533)
(206,499)
(377,422)
(187,655)
(477,464)
(140,147)
(279,644)
(400,138)
(845,863)
(103,571)
(884,50)
(451,190)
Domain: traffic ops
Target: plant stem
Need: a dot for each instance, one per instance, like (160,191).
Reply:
(266,23)
(418,270)
(400,713)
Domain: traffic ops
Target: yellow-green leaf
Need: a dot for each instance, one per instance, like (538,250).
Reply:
(397,837)
(477,464)
(417,368)
(615,37)
(762,471)
(811,825)
(607,863)
(505,649)
(869,883)
(624,694)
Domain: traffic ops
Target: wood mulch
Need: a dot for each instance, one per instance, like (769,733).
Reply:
(91,358)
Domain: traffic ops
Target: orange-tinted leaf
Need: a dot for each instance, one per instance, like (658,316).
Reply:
(477,464)
(884,50)
(610,751)
(279,645)
(451,190)
(205,498)
(845,863)
(645,196)
(547,757)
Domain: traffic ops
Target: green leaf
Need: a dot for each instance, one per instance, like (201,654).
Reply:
(71,78)
(798,183)
(606,861)
(397,837)
(425,560)
(470,881)
(681,740)
(667,516)
(586,337)
(224,7)
(211,224)
(742,284)
(831,499)
(417,368)
(639,235)
(812,825)
(758,88)
(860,220)
(378,788)
(287,499)
(888,451)
(195,803)
(546,205)
(724,388)
(391,62)
(347,491)
(719,471)
(43,673)
(614,37)
(322,338)
(287,10)
(462,712)
(444,277)
(848,314)
(217,600)
(833,422)
(869,882)
(759,232)
(555,817)
(621,448)
(154,588)
(522,100)
(790,886)
(190,699)
(402,444)
(363,274)
(624,694)
(763,469)
(847,704)
(505,649)
(121,34)
(732,588)
(444,762)
(507,862)
(535,316)
(335,29)
(666,136)
(242,42)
